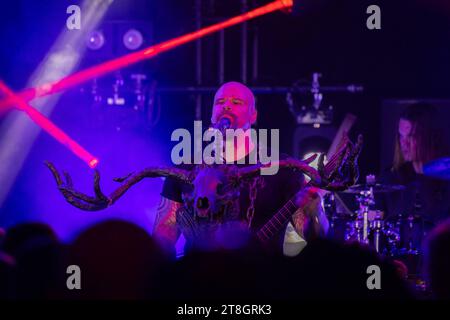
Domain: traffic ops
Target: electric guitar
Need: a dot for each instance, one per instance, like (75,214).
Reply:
(282,217)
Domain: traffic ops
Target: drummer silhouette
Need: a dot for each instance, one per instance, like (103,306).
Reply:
(425,201)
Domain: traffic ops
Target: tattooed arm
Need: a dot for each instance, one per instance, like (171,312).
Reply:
(308,222)
(311,221)
(165,227)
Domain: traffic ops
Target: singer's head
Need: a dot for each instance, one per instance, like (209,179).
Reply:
(235,101)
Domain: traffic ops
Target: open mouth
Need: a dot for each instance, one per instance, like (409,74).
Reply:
(229,116)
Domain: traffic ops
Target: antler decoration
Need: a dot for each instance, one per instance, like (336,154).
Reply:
(338,174)
(342,171)
(101,201)
(302,165)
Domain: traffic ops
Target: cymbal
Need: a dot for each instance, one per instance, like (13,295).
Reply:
(439,168)
(377,188)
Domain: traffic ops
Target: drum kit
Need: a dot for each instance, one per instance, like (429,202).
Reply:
(396,236)
(367,225)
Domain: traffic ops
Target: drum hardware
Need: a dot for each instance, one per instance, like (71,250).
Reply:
(366,226)
(377,226)
(411,234)
(362,225)
(398,237)
(365,200)
(376,188)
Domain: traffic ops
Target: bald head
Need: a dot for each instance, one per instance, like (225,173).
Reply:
(237,89)
(237,102)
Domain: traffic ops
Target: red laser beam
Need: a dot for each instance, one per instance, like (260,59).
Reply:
(49,126)
(147,53)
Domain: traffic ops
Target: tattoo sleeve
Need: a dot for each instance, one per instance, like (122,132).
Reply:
(311,221)
(165,225)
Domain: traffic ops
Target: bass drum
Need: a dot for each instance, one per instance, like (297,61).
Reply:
(382,236)
(339,226)
(412,230)
(339,222)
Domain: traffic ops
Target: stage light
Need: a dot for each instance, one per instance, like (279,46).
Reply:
(93,163)
(146,53)
(95,40)
(48,126)
(17,136)
(315,163)
(133,39)
(17,132)
(308,138)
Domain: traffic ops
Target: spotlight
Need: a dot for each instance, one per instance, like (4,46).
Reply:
(315,163)
(133,39)
(311,139)
(95,40)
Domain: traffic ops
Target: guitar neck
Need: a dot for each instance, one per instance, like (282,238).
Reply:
(278,221)
(281,218)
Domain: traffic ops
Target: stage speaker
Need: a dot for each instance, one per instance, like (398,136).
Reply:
(309,139)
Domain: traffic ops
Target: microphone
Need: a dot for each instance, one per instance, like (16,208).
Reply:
(223,124)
